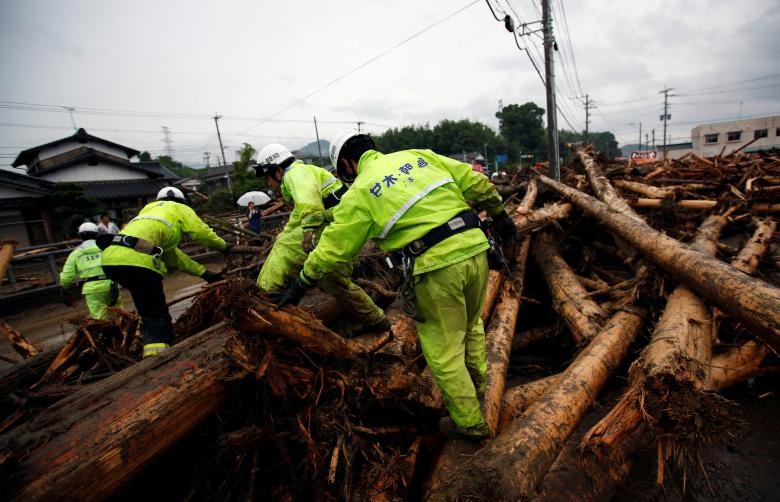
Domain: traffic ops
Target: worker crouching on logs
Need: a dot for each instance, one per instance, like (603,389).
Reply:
(413,203)
(314,192)
(84,263)
(140,256)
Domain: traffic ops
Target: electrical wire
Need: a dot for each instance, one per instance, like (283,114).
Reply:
(363,65)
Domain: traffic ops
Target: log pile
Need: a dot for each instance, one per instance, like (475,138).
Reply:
(645,311)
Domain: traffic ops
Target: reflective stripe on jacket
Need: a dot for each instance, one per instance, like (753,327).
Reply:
(83,263)
(399,197)
(164,223)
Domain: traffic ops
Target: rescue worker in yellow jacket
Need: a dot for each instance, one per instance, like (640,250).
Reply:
(414,203)
(139,257)
(314,192)
(84,266)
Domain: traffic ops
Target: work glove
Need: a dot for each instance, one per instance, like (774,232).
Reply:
(210,276)
(308,240)
(292,296)
(506,229)
(228,249)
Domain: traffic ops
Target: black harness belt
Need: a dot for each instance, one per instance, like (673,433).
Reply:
(460,223)
(334,197)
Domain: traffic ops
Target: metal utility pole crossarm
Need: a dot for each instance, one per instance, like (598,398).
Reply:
(549,71)
(222,148)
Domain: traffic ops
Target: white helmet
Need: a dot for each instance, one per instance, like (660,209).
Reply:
(171,193)
(271,157)
(88,228)
(337,144)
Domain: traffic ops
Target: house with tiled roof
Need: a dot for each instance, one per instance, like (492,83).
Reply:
(103,169)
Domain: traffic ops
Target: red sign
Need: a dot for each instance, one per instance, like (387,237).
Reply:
(645,157)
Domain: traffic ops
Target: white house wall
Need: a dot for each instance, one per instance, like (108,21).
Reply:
(100,172)
(72,145)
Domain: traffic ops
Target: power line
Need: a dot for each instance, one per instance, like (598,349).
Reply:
(364,64)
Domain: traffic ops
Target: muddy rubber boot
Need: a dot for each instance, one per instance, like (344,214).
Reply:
(450,430)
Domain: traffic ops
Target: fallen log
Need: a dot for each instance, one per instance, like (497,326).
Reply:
(26,372)
(542,217)
(493,287)
(674,362)
(581,314)
(603,188)
(7,248)
(518,398)
(736,365)
(686,203)
(654,192)
(19,343)
(510,466)
(526,338)
(748,299)
(499,337)
(255,316)
(126,419)
(749,256)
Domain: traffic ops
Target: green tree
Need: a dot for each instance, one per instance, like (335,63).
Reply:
(144,157)
(522,128)
(405,138)
(177,167)
(71,208)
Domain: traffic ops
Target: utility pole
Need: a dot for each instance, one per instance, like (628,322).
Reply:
(168,141)
(666,116)
(222,148)
(360,123)
(647,141)
(640,133)
(206,157)
(653,131)
(549,72)
(317,134)
(71,110)
(589,105)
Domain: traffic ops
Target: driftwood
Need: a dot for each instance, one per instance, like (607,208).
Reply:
(750,300)
(7,248)
(493,287)
(510,466)
(149,407)
(580,313)
(20,344)
(675,361)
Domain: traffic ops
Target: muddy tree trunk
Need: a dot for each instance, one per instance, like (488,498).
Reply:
(517,399)
(677,356)
(570,299)
(90,444)
(754,302)
(7,248)
(511,466)
(493,287)
(25,373)
(20,344)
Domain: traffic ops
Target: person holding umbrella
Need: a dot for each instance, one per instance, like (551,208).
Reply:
(253,218)
(314,191)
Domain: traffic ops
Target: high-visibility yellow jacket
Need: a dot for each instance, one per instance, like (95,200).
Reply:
(164,223)
(398,198)
(84,263)
(306,185)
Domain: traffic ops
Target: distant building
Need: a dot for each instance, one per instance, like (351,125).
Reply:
(725,137)
(23,215)
(101,167)
(711,139)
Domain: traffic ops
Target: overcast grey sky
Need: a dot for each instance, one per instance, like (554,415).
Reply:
(128,68)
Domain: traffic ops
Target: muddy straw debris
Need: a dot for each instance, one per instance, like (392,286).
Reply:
(654,287)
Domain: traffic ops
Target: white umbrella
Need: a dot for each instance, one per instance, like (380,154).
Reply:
(259,198)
